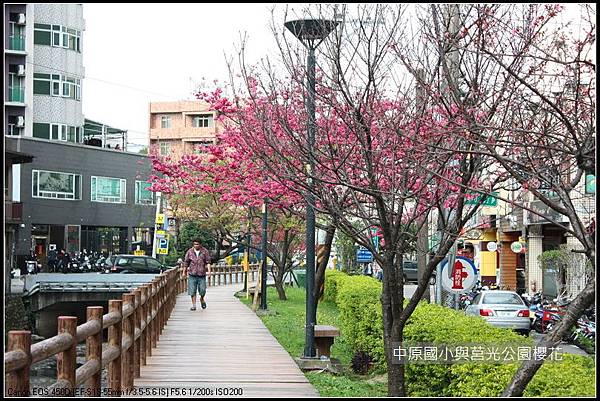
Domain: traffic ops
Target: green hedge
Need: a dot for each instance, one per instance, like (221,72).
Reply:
(333,280)
(574,376)
(439,325)
(359,301)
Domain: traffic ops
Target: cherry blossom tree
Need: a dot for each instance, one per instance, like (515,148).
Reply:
(529,70)
(378,156)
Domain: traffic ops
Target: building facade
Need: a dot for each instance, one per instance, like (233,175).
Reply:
(79,197)
(182,127)
(77,193)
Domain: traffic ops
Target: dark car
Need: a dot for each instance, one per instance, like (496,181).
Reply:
(411,274)
(134,264)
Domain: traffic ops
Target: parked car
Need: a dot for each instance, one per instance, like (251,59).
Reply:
(411,273)
(133,264)
(504,309)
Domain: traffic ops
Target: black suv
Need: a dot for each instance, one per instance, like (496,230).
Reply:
(133,264)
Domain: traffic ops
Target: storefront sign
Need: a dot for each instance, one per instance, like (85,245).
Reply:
(461,277)
(492,246)
(517,247)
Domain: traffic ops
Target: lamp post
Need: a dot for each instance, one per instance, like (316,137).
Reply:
(263,282)
(311,32)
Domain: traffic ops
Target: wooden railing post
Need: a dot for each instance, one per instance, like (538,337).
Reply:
(144,334)
(220,273)
(93,351)
(66,361)
(128,332)
(137,320)
(231,274)
(17,382)
(173,291)
(154,331)
(162,305)
(115,340)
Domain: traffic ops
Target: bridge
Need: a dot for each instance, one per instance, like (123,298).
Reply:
(157,346)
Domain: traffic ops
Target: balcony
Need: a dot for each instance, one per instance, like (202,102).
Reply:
(17,43)
(16,94)
(13,212)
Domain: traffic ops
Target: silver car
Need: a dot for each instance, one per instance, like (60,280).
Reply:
(504,309)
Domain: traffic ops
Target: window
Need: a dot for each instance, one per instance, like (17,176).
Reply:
(152,263)
(590,184)
(165,122)
(502,298)
(12,126)
(57,36)
(200,147)
(57,85)
(143,196)
(56,185)
(138,263)
(41,130)
(123,262)
(66,89)
(165,148)
(203,121)
(111,190)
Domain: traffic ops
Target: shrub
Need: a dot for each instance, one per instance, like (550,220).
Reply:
(439,325)
(573,376)
(358,299)
(333,280)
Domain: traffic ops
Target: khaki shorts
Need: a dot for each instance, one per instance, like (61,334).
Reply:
(196,283)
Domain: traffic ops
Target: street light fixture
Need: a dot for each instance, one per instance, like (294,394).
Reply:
(311,32)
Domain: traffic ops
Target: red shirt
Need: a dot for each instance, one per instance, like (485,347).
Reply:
(196,265)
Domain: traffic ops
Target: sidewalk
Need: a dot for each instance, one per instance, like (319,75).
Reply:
(225,347)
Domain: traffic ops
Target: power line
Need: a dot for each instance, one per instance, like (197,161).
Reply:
(103,80)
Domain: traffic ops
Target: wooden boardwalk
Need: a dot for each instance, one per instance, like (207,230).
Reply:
(225,346)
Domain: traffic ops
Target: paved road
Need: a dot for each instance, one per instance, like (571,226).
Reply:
(410,289)
(564,346)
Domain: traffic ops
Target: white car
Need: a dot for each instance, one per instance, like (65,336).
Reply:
(504,309)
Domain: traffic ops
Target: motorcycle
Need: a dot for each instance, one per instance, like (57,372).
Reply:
(466,299)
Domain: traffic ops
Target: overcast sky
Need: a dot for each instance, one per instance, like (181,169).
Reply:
(137,53)
(134,54)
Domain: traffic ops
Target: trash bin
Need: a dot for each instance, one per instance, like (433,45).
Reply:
(301,277)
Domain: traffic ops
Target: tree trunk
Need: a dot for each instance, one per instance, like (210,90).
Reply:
(322,260)
(392,332)
(528,369)
(280,289)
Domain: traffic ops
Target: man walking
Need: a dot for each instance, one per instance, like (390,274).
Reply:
(196,263)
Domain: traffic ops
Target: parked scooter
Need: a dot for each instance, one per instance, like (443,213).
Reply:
(32,266)
(466,299)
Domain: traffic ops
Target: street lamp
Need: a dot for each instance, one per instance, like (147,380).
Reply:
(263,271)
(311,32)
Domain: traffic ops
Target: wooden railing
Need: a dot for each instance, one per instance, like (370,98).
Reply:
(222,275)
(134,324)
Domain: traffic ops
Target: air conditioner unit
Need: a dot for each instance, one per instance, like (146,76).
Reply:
(20,121)
(21,70)
(21,19)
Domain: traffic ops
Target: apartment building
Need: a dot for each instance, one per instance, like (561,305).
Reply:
(182,127)
(76,193)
